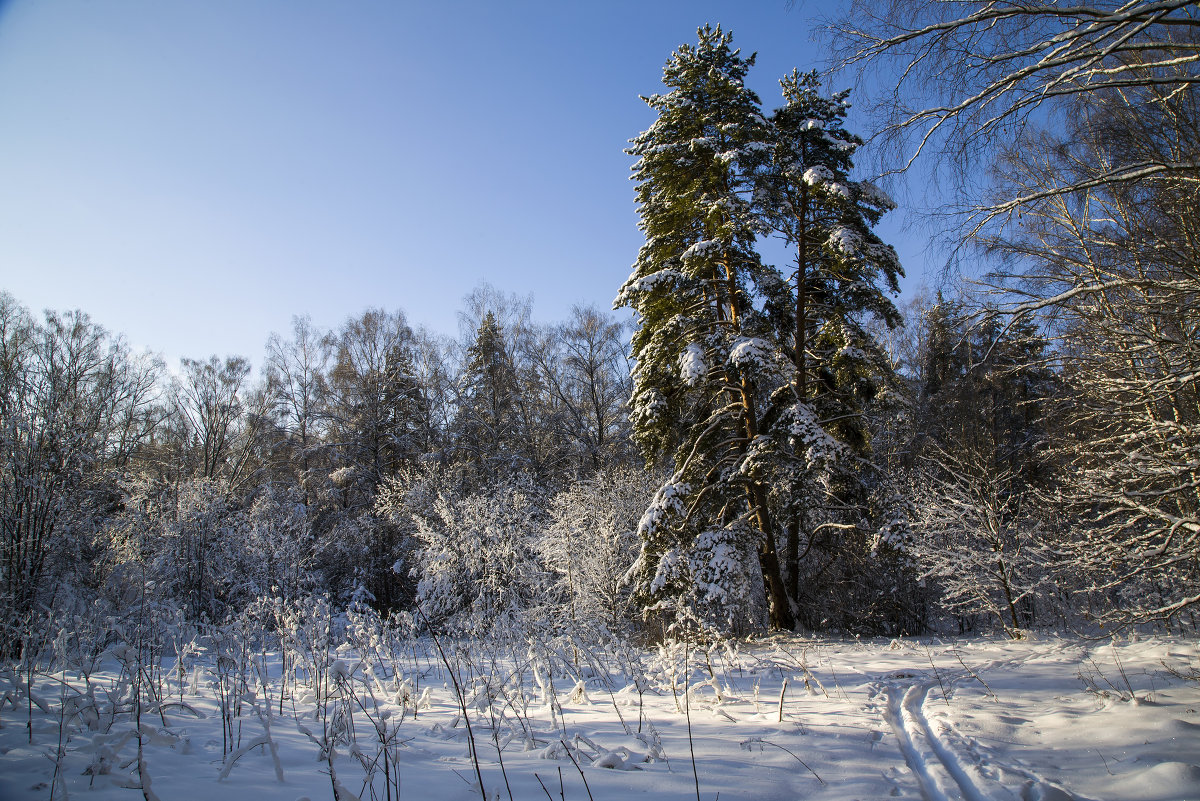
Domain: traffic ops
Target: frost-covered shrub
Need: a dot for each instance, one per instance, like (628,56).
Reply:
(477,560)
(183,539)
(278,542)
(977,542)
(195,546)
(592,541)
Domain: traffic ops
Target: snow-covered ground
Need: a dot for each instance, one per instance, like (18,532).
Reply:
(1045,718)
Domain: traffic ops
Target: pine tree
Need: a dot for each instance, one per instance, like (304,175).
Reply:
(700,341)
(827,491)
(813,204)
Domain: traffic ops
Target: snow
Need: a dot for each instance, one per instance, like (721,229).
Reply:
(841,190)
(1051,718)
(669,569)
(718,563)
(692,367)
(702,249)
(668,502)
(852,352)
(647,406)
(846,240)
(654,281)
(751,353)
(343,476)
(743,151)
(839,143)
(818,175)
(806,431)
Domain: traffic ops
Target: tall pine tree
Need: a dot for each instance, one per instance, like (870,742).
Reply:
(755,383)
(842,274)
(488,426)
(695,390)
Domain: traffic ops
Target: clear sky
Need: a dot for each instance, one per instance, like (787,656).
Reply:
(193,174)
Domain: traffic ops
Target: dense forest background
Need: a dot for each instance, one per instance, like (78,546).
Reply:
(766,446)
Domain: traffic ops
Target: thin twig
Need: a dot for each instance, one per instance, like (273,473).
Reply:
(798,759)
(687,709)
(576,764)
(544,790)
(462,702)
(975,676)
(938,675)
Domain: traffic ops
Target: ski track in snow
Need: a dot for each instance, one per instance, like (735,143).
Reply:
(947,766)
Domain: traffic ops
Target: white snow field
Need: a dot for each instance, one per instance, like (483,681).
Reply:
(1046,718)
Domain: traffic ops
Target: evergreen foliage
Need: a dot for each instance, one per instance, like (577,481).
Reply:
(488,429)
(699,343)
(755,390)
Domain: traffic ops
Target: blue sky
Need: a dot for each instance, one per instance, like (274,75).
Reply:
(194,174)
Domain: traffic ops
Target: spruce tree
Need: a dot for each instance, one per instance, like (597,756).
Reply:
(488,426)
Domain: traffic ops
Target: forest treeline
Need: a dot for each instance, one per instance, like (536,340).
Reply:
(769,446)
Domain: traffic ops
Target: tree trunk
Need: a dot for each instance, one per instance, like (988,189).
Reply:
(791,558)
(768,560)
(792,547)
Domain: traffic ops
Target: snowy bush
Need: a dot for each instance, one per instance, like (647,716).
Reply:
(592,540)
(476,564)
(278,544)
(184,539)
(975,540)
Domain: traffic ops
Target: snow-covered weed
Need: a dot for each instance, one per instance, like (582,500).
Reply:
(1106,685)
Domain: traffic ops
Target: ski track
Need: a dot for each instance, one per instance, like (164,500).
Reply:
(946,766)
(926,770)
